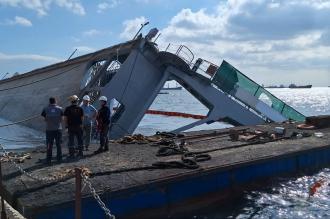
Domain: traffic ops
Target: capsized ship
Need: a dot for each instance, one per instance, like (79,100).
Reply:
(133,73)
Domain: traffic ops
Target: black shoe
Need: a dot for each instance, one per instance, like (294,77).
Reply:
(106,149)
(71,156)
(100,150)
(48,162)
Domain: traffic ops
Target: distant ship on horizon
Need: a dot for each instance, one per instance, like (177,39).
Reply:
(290,86)
(300,86)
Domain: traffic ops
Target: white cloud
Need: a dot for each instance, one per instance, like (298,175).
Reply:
(31,57)
(148,1)
(143,1)
(28,62)
(22,21)
(18,21)
(92,32)
(131,27)
(84,49)
(101,7)
(279,37)
(75,39)
(43,6)
(72,5)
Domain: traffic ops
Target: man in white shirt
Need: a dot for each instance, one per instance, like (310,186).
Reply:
(89,116)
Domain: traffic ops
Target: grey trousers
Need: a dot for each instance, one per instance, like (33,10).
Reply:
(87,130)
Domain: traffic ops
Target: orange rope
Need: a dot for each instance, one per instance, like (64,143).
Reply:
(176,114)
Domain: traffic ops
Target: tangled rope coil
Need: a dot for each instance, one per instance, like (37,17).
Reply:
(66,174)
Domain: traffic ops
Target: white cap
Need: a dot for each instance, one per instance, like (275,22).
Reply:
(86,97)
(104,98)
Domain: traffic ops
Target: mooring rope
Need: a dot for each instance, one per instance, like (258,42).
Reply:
(22,140)
(20,121)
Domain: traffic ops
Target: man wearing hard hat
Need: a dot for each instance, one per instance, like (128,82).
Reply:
(103,123)
(89,116)
(74,115)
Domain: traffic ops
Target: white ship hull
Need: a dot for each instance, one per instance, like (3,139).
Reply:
(24,96)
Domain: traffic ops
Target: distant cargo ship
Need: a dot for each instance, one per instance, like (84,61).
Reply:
(275,86)
(172,88)
(301,86)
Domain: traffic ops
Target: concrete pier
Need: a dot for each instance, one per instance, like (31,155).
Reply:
(131,185)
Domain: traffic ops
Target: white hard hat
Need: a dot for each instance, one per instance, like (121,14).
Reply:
(73,98)
(104,98)
(86,97)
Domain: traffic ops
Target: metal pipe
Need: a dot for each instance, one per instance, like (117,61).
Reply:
(3,208)
(78,193)
(157,37)
(167,47)
(178,50)
(72,54)
(142,25)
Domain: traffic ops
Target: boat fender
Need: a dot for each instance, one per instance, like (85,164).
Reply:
(315,186)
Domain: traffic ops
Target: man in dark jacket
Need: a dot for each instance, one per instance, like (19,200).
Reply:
(53,115)
(73,115)
(103,123)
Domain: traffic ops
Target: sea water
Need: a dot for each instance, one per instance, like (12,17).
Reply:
(314,101)
(283,198)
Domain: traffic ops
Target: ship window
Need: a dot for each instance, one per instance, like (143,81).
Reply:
(264,98)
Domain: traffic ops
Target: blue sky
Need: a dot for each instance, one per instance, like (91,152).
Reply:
(279,41)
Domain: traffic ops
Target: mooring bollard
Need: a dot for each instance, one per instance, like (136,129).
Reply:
(3,208)
(78,193)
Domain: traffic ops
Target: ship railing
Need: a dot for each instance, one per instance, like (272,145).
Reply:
(205,68)
(182,51)
(200,66)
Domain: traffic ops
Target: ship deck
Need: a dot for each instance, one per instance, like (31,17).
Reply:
(124,178)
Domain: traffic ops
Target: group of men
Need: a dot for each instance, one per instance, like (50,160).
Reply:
(78,120)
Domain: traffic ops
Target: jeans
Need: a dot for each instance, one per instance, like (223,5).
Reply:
(50,137)
(78,133)
(87,128)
